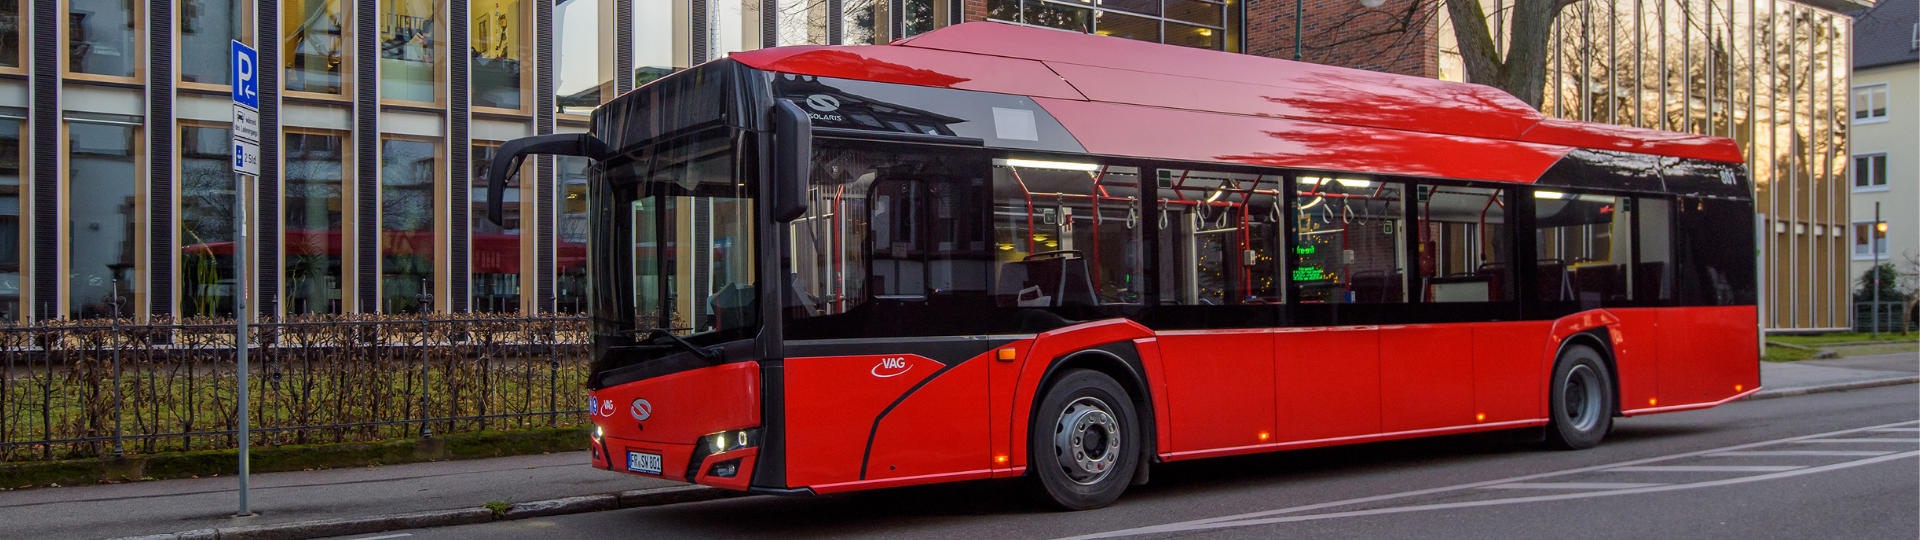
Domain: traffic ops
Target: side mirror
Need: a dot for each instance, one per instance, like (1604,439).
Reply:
(506,163)
(792,152)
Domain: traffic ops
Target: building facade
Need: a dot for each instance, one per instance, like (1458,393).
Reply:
(1886,136)
(381,117)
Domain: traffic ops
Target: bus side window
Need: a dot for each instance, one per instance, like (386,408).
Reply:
(1066,234)
(1464,245)
(1350,241)
(898,239)
(1219,238)
(1584,243)
(1653,274)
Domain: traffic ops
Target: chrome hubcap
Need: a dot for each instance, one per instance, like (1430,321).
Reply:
(1581,392)
(1086,441)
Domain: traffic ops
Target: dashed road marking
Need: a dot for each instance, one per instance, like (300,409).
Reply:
(1268,517)
(1708,468)
(1897,429)
(1758,453)
(1572,485)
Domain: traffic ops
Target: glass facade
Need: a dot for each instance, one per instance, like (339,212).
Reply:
(496,248)
(10,224)
(103,37)
(409,52)
(207,28)
(1770,74)
(207,202)
(1190,23)
(102,212)
(584,75)
(500,50)
(314,45)
(408,170)
(315,171)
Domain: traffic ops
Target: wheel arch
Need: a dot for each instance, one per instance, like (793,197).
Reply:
(1599,339)
(1119,360)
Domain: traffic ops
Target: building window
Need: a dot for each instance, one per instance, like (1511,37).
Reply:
(499,49)
(315,166)
(800,22)
(206,221)
(103,37)
(585,77)
(1869,240)
(10,218)
(496,248)
(1870,103)
(101,215)
(732,26)
(207,28)
(316,45)
(407,235)
(10,33)
(570,235)
(410,50)
(1189,23)
(864,22)
(653,56)
(1870,172)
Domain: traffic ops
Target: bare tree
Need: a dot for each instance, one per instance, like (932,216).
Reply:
(1520,67)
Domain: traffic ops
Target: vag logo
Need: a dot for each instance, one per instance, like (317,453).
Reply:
(891,367)
(823,103)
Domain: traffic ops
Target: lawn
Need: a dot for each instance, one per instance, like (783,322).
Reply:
(1816,340)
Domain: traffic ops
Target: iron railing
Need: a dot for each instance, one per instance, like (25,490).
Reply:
(76,389)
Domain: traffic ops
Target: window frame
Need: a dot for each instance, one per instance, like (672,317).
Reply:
(1879,167)
(526,242)
(23,49)
(527,89)
(441,199)
(137,12)
(1871,90)
(247,35)
(137,304)
(440,67)
(348,214)
(179,197)
(348,62)
(1853,243)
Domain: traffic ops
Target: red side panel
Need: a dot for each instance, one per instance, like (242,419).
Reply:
(831,404)
(1631,139)
(1707,354)
(1003,383)
(1105,128)
(1220,387)
(941,428)
(1426,377)
(1510,361)
(1636,354)
(1328,381)
(1157,384)
(920,67)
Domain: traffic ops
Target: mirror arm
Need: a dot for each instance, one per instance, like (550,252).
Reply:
(507,160)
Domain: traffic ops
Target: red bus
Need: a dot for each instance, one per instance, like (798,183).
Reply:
(993,251)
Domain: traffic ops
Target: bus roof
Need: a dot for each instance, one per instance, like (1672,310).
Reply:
(1219,106)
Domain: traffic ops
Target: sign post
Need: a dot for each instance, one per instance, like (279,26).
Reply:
(246,165)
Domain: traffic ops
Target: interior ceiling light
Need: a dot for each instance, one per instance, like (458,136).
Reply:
(1059,165)
(1549,195)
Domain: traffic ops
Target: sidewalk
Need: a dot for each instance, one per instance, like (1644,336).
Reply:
(369,499)
(1781,379)
(170,506)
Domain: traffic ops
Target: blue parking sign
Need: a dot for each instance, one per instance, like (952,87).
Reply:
(246,76)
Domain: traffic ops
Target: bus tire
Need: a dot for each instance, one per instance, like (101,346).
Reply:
(1580,399)
(1083,441)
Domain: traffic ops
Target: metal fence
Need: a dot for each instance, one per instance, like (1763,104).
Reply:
(75,389)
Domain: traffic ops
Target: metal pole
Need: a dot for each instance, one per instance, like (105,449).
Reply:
(114,323)
(1298,7)
(242,312)
(1874,246)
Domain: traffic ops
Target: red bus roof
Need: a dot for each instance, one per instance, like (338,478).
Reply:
(1217,106)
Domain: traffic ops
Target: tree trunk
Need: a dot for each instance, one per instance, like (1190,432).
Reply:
(1523,70)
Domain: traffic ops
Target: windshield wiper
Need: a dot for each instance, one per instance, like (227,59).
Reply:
(703,353)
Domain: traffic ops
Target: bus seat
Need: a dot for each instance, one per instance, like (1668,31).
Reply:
(1076,283)
(1553,280)
(1368,286)
(1496,274)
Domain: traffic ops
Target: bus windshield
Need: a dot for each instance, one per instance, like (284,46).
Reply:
(680,220)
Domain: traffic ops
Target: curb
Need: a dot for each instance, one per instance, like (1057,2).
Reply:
(301,530)
(1833,387)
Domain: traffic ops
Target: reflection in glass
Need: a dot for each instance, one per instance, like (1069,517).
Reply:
(408,50)
(100,210)
(315,44)
(206,222)
(498,49)
(496,248)
(864,21)
(570,234)
(407,171)
(1219,238)
(584,77)
(103,37)
(207,29)
(652,40)
(917,17)
(1066,234)
(1203,24)
(9,219)
(800,22)
(9,35)
(315,165)
(729,23)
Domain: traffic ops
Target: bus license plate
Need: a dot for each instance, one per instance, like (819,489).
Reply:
(642,462)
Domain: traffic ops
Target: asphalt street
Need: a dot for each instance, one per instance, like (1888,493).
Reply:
(1835,465)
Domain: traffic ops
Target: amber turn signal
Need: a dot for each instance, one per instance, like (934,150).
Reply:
(1004,355)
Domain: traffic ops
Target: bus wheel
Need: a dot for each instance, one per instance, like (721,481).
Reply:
(1084,441)
(1581,402)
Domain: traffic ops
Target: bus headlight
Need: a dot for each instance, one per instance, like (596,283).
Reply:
(728,441)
